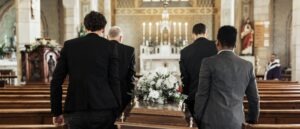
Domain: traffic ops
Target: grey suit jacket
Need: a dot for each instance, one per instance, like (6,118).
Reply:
(224,79)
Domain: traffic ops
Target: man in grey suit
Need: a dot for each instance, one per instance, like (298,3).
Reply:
(224,79)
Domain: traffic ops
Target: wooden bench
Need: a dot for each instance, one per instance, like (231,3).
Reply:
(26,97)
(45,126)
(128,125)
(25,116)
(271,126)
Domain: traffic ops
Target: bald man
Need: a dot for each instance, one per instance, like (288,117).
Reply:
(127,65)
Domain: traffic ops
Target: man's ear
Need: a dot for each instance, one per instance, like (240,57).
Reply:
(219,46)
(121,38)
(194,36)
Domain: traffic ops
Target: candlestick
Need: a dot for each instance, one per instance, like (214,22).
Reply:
(179,25)
(161,37)
(150,26)
(156,39)
(144,31)
(174,26)
(186,30)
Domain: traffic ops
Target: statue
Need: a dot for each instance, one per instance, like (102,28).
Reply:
(35,70)
(247,38)
(51,67)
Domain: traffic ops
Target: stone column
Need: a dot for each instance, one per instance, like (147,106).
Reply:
(28,24)
(72,18)
(262,17)
(295,46)
(28,21)
(108,14)
(227,12)
(94,5)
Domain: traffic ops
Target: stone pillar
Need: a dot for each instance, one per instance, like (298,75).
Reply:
(28,21)
(262,14)
(72,18)
(108,14)
(94,5)
(227,12)
(28,24)
(295,46)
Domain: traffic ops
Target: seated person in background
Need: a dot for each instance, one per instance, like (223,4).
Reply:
(273,69)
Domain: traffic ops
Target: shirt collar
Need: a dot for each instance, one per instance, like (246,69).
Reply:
(225,50)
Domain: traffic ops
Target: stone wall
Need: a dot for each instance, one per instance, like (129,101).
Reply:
(51,19)
(281,34)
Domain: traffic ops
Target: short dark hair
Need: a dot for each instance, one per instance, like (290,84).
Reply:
(94,21)
(199,28)
(227,36)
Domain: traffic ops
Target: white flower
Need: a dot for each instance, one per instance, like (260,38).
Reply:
(160,101)
(152,83)
(158,83)
(162,71)
(44,42)
(150,76)
(154,94)
(169,84)
(53,43)
(172,79)
(177,95)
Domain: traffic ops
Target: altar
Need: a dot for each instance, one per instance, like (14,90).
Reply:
(161,47)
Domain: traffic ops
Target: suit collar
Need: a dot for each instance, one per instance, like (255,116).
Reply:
(115,41)
(226,52)
(92,34)
(201,39)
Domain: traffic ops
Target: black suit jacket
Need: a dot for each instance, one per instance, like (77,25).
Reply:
(190,63)
(126,72)
(93,68)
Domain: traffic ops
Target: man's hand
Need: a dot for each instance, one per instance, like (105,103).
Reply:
(59,120)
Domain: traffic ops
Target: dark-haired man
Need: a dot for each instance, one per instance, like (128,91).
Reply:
(93,97)
(190,62)
(223,81)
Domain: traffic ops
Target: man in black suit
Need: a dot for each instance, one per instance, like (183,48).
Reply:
(190,62)
(91,62)
(126,67)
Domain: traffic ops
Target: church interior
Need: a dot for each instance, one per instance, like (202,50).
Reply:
(33,33)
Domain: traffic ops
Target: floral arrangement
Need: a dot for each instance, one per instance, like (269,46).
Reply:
(160,86)
(43,42)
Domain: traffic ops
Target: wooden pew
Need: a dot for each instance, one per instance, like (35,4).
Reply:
(25,116)
(271,126)
(37,126)
(26,97)
(128,125)
(264,104)
(276,82)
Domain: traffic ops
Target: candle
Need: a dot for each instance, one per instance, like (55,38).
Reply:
(174,26)
(186,29)
(161,37)
(144,31)
(179,30)
(157,24)
(150,26)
